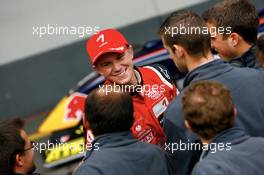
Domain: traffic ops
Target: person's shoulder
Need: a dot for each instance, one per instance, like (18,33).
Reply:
(249,70)
(208,167)
(175,105)
(150,150)
(248,73)
(161,71)
(148,146)
(258,143)
(97,163)
(88,167)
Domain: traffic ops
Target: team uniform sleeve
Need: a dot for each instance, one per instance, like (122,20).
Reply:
(165,76)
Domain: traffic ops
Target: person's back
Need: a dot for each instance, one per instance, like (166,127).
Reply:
(120,153)
(245,158)
(247,89)
(115,151)
(210,112)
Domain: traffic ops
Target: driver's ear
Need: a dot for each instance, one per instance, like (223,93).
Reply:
(18,160)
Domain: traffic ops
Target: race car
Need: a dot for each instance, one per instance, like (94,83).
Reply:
(64,123)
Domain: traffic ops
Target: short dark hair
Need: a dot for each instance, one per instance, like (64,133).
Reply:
(260,50)
(196,44)
(11,144)
(208,107)
(108,112)
(240,15)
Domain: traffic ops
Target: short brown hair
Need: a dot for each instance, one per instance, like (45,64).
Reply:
(196,44)
(208,107)
(109,112)
(239,15)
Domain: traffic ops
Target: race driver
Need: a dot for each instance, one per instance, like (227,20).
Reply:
(111,56)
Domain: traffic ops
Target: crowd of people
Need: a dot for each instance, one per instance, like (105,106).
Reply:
(214,125)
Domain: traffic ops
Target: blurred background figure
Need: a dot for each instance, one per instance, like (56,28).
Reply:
(16,150)
(239,22)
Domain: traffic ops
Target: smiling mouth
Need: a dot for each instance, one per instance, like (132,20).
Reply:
(122,73)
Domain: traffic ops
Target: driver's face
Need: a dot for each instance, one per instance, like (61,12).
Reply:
(116,67)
